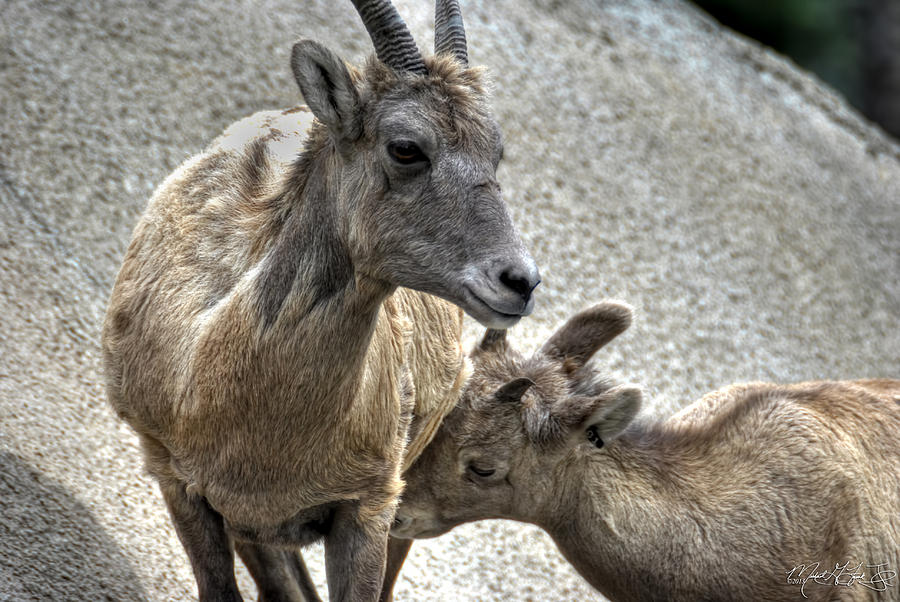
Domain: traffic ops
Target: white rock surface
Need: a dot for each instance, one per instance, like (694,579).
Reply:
(751,217)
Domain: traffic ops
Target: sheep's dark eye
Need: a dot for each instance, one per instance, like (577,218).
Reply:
(406,152)
(481,472)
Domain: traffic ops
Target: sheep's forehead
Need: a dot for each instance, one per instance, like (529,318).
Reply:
(452,99)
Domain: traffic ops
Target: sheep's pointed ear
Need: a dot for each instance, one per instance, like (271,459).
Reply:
(327,88)
(493,341)
(513,391)
(586,332)
(612,413)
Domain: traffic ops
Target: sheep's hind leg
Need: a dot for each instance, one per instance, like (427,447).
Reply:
(355,551)
(396,555)
(280,574)
(301,574)
(202,533)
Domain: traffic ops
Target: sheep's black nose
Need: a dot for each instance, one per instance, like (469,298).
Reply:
(521,280)
(505,285)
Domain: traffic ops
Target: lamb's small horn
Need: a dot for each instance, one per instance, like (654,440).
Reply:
(394,45)
(493,340)
(513,390)
(449,33)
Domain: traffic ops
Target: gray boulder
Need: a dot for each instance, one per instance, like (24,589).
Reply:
(747,212)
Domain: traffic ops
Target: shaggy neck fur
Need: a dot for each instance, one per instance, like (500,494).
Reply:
(309,292)
(310,250)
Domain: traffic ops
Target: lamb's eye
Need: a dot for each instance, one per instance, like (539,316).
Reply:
(594,437)
(406,152)
(481,472)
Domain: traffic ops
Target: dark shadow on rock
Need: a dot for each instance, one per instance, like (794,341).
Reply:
(53,547)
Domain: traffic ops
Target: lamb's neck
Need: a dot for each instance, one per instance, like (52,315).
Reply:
(620,511)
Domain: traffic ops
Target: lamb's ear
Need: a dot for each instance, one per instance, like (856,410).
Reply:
(613,412)
(586,332)
(327,88)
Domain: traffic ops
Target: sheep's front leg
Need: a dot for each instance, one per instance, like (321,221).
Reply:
(280,575)
(202,533)
(355,551)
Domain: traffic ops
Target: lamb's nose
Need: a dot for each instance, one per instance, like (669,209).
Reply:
(400,522)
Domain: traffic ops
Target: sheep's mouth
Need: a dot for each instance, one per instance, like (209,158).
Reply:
(480,309)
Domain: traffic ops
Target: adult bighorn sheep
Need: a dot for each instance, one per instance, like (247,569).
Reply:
(754,492)
(251,338)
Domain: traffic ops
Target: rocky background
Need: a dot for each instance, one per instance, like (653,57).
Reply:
(748,214)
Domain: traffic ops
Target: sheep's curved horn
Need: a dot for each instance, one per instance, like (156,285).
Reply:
(449,33)
(394,45)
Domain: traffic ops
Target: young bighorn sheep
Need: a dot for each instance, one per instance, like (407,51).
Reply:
(251,338)
(754,492)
